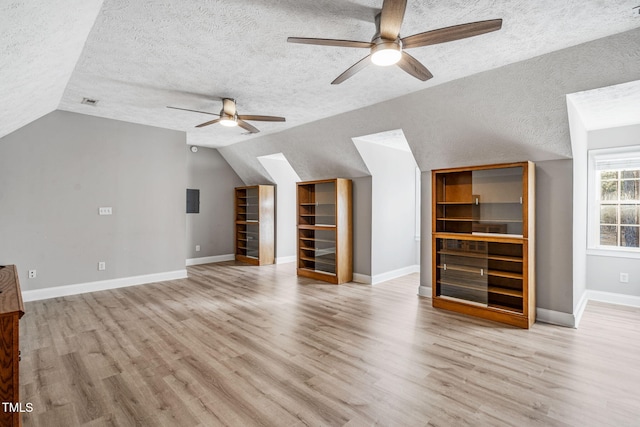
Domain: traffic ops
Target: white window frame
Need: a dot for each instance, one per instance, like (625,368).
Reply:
(630,155)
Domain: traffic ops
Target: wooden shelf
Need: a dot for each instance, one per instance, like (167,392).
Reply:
(318,202)
(254,218)
(483,232)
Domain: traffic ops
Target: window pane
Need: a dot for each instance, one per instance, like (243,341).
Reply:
(609,175)
(629,214)
(609,235)
(609,190)
(631,174)
(629,190)
(609,214)
(629,236)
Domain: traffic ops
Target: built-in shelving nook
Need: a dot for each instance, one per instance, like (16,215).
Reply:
(483,241)
(325,248)
(254,224)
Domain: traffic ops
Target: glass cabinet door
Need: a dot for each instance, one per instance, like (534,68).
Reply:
(318,250)
(462,270)
(497,201)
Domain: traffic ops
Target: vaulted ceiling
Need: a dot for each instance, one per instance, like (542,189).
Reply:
(137,57)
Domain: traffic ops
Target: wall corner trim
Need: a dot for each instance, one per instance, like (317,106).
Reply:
(286,259)
(579,311)
(210,259)
(102,285)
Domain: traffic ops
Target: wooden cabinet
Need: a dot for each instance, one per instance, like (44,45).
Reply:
(11,310)
(325,228)
(483,241)
(254,227)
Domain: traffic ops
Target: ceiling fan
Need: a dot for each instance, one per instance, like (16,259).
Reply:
(229,116)
(387,48)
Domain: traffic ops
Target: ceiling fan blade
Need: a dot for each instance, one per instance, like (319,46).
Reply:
(448,34)
(412,66)
(391,18)
(193,111)
(261,118)
(246,126)
(229,106)
(358,66)
(208,123)
(329,42)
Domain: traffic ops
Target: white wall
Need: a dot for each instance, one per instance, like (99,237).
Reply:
(393,211)
(285,178)
(580,178)
(57,171)
(212,228)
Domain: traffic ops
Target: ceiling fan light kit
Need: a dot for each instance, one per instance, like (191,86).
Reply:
(387,48)
(385,53)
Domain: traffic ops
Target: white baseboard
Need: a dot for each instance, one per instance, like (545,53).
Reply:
(102,285)
(394,274)
(610,297)
(573,320)
(210,259)
(555,317)
(286,259)
(361,278)
(425,291)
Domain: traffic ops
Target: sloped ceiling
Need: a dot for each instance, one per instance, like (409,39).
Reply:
(40,43)
(609,107)
(141,56)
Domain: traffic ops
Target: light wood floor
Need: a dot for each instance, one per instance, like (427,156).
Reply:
(240,345)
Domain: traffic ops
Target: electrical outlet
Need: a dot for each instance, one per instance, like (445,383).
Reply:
(102,266)
(32,274)
(197,248)
(624,277)
(105,211)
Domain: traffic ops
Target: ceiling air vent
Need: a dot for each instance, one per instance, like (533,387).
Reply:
(89,101)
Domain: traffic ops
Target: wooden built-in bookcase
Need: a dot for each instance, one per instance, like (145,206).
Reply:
(483,222)
(325,248)
(254,224)
(11,310)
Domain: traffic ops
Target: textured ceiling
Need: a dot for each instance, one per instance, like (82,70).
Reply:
(609,107)
(141,56)
(40,43)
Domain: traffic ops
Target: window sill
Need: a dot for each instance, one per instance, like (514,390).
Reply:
(614,253)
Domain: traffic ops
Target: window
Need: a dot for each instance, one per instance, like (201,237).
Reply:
(614,199)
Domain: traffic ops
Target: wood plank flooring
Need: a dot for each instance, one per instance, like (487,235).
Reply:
(239,345)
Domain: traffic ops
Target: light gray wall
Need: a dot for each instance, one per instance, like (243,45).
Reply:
(212,228)
(554,232)
(362,193)
(603,272)
(57,171)
(393,231)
